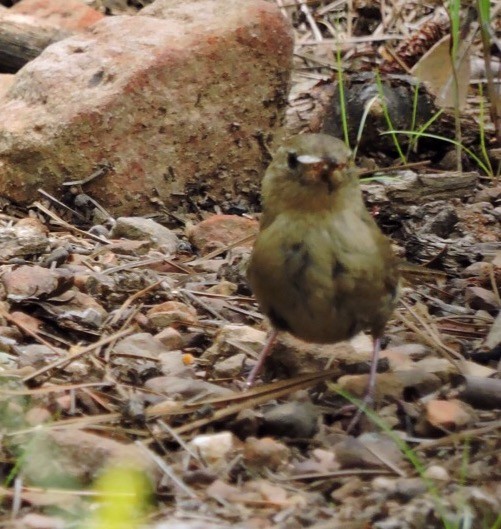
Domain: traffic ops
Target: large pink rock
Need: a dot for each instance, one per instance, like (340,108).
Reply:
(170,107)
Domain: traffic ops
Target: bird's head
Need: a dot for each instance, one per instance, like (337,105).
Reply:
(309,168)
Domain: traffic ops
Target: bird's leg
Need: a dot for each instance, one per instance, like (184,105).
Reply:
(371,386)
(262,357)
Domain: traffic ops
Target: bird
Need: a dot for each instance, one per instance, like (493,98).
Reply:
(320,269)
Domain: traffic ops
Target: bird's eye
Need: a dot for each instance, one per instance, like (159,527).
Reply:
(292,160)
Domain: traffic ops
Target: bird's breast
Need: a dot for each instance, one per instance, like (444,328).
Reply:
(322,277)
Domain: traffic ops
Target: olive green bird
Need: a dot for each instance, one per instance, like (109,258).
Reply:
(321,269)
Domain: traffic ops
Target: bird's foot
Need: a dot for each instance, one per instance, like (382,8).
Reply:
(367,402)
(260,362)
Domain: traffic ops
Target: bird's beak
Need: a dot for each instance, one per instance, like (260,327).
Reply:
(322,169)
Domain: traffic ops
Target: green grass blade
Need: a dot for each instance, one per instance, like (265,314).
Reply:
(388,118)
(342,95)
(470,153)
(483,146)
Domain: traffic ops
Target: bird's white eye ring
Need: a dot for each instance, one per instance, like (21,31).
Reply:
(307,159)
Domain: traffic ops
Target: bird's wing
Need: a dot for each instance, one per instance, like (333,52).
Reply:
(268,275)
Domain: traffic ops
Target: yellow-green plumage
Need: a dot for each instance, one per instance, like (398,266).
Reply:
(321,269)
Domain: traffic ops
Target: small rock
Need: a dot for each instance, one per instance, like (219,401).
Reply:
(479,298)
(30,227)
(319,462)
(438,366)
(95,284)
(397,360)
(437,472)
(408,488)
(448,414)
(38,355)
(265,490)
(141,344)
(214,447)
(80,369)
(172,313)
(230,367)
(479,207)
(64,403)
(173,363)
(420,381)
(388,384)
(350,488)
(325,458)
(448,161)
(246,424)
(209,265)
(138,228)
(292,420)
(70,456)
(265,453)
(224,288)
(229,337)
(57,257)
(352,453)
(100,231)
(480,269)
(27,282)
(443,223)
(362,343)
(79,311)
(219,489)
(390,415)
(170,338)
(384,484)
(363,451)
(415,351)
(37,415)
(219,231)
(489,194)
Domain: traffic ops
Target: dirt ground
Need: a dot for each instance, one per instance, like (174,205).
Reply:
(113,351)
